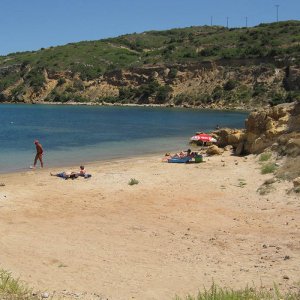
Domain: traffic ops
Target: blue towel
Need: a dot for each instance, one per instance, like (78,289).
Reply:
(179,159)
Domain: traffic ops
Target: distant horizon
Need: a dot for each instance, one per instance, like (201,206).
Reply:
(32,25)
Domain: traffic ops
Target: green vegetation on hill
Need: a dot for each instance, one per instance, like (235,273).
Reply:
(92,58)
(89,60)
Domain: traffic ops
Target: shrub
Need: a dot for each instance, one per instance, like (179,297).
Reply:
(61,81)
(210,51)
(268,168)
(277,99)
(163,94)
(179,99)
(218,293)
(173,73)
(78,85)
(86,72)
(13,289)
(35,78)
(147,90)
(217,93)
(2,97)
(127,93)
(8,80)
(230,85)
(133,181)
(259,89)
(265,156)
(292,96)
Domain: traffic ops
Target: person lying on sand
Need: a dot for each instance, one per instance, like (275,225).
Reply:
(66,175)
(73,175)
(180,154)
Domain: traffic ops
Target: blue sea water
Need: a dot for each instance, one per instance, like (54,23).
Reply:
(81,134)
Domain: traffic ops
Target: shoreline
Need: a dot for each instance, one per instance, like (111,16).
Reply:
(107,104)
(180,228)
(87,163)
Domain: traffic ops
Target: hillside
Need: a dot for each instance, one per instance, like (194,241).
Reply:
(199,66)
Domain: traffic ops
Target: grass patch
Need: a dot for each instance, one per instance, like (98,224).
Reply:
(133,181)
(13,289)
(268,168)
(265,189)
(265,156)
(218,293)
(241,183)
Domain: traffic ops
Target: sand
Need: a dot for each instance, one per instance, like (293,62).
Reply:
(180,228)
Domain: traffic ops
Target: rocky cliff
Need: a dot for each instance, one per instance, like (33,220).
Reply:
(214,85)
(208,66)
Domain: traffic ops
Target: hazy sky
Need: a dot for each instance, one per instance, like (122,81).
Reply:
(32,24)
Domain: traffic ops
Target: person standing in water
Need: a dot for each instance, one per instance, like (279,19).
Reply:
(39,154)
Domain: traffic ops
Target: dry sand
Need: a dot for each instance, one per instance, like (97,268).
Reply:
(182,227)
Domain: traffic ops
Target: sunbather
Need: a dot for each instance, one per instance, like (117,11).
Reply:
(181,154)
(73,175)
(66,175)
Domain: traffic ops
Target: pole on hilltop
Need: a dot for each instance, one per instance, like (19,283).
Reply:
(277,8)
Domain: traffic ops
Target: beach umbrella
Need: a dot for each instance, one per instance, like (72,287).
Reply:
(203,137)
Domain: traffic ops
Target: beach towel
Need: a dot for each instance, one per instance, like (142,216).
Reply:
(184,159)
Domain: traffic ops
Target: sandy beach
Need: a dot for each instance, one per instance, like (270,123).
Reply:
(180,228)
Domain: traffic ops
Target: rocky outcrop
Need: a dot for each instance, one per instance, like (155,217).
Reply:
(266,127)
(277,127)
(227,136)
(273,129)
(214,150)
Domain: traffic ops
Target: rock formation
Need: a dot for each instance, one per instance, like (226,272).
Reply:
(273,129)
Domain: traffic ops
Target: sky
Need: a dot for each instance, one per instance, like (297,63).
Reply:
(27,25)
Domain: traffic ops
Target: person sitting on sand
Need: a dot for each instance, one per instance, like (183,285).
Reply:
(66,175)
(82,171)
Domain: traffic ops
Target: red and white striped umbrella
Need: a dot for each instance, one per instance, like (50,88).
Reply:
(203,137)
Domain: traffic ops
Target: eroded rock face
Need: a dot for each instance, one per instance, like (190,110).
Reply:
(275,127)
(227,136)
(263,128)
